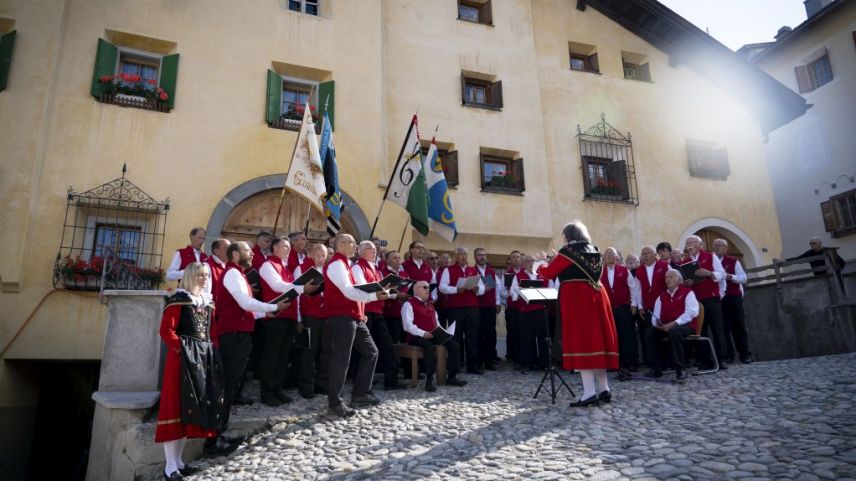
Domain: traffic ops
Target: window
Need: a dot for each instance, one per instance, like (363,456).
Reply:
(501,172)
(475,11)
(449,160)
(124,240)
(481,92)
(7,43)
(839,214)
(636,66)
(287,99)
(583,57)
(707,160)
(309,7)
(814,75)
(134,78)
(607,164)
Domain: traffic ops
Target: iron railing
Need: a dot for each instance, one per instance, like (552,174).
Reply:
(606,160)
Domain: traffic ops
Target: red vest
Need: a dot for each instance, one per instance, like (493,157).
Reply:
(651,291)
(731,288)
(268,294)
(619,293)
(466,298)
(488,299)
(706,288)
(424,315)
(230,316)
(258,258)
(392,307)
(523,306)
(294,261)
(188,255)
(311,306)
(372,275)
(217,272)
(335,303)
(418,273)
(671,307)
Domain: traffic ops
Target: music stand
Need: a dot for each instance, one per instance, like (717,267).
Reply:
(547,297)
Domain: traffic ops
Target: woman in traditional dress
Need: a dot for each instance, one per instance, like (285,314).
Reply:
(589,343)
(191,403)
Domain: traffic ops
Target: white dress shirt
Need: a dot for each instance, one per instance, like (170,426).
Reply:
(360,277)
(739,277)
(445,288)
(240,290)
(482,272)
(690,308)
(268,272)
(174,271)
(337,271)
(636,287)
(515,289)
(408,322)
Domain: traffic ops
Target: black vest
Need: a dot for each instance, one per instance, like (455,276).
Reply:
(587,262)
(195,321)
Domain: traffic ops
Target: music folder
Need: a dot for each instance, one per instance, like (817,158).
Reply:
(489,282)
(312,275)
(530,283)
(539,295)
(508,279)
(391,281)
(469,282)
(441,336)
(688,271)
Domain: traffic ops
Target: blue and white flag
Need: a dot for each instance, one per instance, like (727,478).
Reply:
(332,199)
(441,219)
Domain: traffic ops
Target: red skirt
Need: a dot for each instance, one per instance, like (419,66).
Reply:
(170,427)
(588,328)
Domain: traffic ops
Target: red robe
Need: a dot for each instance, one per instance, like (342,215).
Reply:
(588,328)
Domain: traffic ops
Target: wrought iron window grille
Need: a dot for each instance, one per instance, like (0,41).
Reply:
(112,238)
(606,161)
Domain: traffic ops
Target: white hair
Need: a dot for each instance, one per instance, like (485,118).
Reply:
(366,245)
(678,273)
(461,250)
(720,240)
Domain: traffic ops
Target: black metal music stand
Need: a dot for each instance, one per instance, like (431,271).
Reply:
(551,369)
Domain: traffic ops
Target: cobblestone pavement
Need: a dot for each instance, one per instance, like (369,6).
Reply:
(773,420)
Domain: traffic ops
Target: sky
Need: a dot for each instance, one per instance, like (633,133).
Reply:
(738,22)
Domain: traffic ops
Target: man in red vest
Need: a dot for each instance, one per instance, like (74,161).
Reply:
(365,272)
(416,267)
(344,306)
(297,255)
(261,249)
(420,321)
(707,291)
(733,316)
(279,331)
(532,330)
(183,257)
(490,304)
(674,318)
(618,282)
(512,310)
(236,314)
(217,263)
(463,307)
(650,283)
(315,365)
(392,307)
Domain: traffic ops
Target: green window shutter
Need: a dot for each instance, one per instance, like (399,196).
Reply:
(105,64)
(7,42)
(169,77)
(274,97)
(325,89)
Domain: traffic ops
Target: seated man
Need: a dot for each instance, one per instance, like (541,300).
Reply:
(419,319)
(675,313)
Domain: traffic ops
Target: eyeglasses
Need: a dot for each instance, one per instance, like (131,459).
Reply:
(432,258)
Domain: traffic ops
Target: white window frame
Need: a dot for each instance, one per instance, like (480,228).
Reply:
(303,4)
(313,98)
(139,53)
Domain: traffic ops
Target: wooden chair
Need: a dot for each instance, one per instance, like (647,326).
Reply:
(414,353)
(697,337)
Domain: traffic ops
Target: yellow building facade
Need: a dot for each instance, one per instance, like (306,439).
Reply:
(511,83)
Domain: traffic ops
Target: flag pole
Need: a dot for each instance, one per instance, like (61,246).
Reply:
(401,242)
(394,169)
(282,193)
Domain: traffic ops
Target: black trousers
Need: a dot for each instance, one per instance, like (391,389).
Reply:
(676,337)
(466,333)
(316,360)
(396,329)
(712,326)
(235,350)
(278,340)
(533,339)
(379,330)
(734,326)
(512,333)
(643,323)
(625,329)
(429,357)
(487,335)
(346,334)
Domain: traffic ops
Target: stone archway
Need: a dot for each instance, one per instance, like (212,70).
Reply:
(741,240)
(246,209)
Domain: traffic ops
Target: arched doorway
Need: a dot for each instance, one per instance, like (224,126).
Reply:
(251,207)
(710,235)
(738,240)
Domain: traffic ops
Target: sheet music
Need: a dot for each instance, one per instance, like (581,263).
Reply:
(468,282)
(539,294)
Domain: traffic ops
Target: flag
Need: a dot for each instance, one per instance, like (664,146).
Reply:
(441,218)
(333,196)
(407,176)
(305,175)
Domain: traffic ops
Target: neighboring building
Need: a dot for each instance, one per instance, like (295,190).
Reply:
(536,102)
(812,159)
